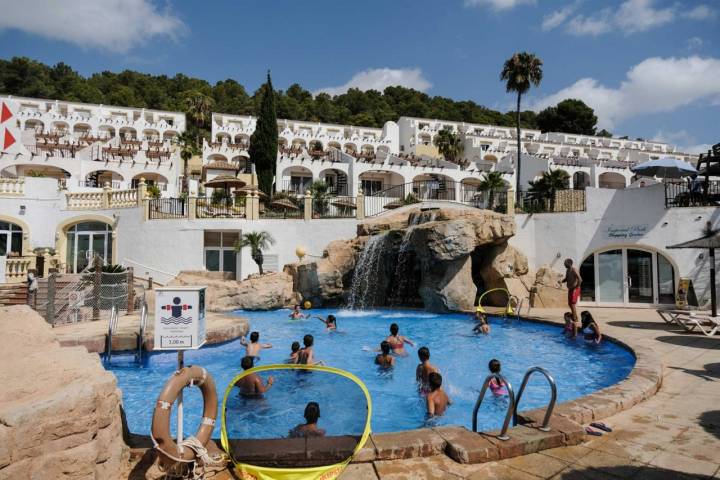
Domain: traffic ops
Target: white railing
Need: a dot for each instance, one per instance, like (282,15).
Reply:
(85,200)
(145,272)
(123,198)
(12,187)
(16,268)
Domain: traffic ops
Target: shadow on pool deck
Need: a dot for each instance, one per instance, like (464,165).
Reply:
(692,341)
(646,326)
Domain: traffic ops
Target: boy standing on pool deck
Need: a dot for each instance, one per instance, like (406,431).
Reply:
(253,348)
(252,385)
(573,281)
(437,399)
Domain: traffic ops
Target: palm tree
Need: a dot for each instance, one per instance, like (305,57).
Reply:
(188,148)
(320,192)
(198,107)
(519,72)
(492,182)
(555,180)
(257,241)
(449,144)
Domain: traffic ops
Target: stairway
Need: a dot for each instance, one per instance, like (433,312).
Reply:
(41,297)
(13,294)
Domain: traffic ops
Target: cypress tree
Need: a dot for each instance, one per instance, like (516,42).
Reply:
(264,141)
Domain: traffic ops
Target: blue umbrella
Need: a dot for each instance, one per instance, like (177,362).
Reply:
(666,167)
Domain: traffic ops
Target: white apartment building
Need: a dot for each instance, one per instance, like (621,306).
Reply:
(88,146)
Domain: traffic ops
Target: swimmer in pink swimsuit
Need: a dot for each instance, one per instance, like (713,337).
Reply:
(397,342)
(497,387)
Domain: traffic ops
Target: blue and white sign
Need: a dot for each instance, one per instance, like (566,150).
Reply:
(179,318)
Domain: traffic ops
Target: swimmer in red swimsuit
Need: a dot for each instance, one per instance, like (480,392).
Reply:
(397,342)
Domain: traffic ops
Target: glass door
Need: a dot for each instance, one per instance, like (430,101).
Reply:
(4,243)
(640,276)
(611,279)
(83,251)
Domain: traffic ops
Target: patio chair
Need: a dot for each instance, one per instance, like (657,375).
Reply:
(689,320)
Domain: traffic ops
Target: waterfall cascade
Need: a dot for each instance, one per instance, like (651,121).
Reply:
(365,285)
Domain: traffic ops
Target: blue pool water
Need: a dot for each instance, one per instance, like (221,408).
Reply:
(579,368)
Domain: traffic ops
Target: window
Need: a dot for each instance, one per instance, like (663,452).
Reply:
(10,239)
(220,255)
(371,187)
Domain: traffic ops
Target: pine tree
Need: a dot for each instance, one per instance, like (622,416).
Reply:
(264,141)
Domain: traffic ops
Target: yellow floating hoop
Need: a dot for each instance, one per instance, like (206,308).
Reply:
(508,307)
(326,472)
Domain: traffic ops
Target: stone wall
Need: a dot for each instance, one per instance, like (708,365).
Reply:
(59,408)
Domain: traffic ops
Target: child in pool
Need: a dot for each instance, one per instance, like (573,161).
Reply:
(497,387)
(482,326)
(253,348)
(437,400)
(296,314)
(384,359)
(330,323)
(252,386)
(294,352)
(309,428)
(590,328)
(423,371)
(570,328)
(397,342)
(306,354)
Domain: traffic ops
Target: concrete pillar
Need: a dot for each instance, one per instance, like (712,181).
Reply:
(252,206)
(191,205)
(141,191)
(308,206)
(510,202)
(360,206)
(106,195)
(46,263)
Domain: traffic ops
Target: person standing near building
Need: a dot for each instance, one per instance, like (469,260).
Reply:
(573,281)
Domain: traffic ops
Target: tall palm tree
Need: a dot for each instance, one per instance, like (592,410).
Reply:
(257,241)
(449,144)
(320,192)
(188,148)
(555,180)
(519,72)
(198,107)
(491,183)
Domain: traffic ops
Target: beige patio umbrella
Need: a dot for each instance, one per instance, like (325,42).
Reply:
(284,204)
(251,188)
(344,203)
(226,182)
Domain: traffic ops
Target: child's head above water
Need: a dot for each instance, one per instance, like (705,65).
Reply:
(568,316)
(254,337)
(308,340)
(385,347)
(295,346)
(247,363)
(435,381)
(424,354)
(332,319)
(312,412)
(494,366)
(394,329)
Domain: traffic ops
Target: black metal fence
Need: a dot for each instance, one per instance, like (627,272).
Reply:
(693,193)
(334,207)
(409,193)
(167,208)
(486,200)
(283,208)
(230,207)
(559,201)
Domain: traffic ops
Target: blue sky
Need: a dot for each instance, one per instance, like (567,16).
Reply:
(650,68)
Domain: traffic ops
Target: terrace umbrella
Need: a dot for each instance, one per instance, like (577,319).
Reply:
(284,203)
(252,188)
(226,182)
(344,203)
(665,167)
(711,241)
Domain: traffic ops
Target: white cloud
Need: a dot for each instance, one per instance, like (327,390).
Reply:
(654,85)
(640,15)
(112,25)
(684,141)
(558,17)
(594,26)
(498,5)
(379,78)
(694,43)
(701,12)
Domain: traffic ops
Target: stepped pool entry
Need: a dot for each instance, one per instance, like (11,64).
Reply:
(579,368)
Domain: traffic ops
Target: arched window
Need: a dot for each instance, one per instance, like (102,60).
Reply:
(627,275)
(11,237)
(84,241)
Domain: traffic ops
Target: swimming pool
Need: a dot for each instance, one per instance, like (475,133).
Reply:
(579,368)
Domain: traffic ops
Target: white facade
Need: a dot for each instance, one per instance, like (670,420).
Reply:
(86,146)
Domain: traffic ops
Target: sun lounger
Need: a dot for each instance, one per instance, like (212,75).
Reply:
(692,319)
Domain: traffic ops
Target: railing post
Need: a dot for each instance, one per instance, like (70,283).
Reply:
(192,204)
(97,281)
(510,202)
(106,196)
(130,290)
(141,191)
(308,206)
(50,308)
(360,206)
(252,206)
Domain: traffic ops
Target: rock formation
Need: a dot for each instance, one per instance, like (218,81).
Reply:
(257,292)
(59,408)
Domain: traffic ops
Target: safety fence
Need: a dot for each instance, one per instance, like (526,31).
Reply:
(693,193)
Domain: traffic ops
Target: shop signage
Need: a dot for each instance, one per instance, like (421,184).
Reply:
(627,231)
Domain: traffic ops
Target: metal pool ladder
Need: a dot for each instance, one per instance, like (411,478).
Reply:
(553,396)
(511,407)
(112,328)
(141,333)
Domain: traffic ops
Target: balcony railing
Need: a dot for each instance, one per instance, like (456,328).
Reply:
(692,194)
(222,208)
(167,208)
(334,207)
(561,201)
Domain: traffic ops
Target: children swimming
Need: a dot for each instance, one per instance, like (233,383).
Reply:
(296,314)
(306,354)
(384,359)
(294,352)
(330,322)
(253,348)
(252,386)
(437,400)
(482,326)
(397,342)
(425,368)
(590,328)
(570,329)
(309,428)
(497,387)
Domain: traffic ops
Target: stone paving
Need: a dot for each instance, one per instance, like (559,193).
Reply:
(673,435)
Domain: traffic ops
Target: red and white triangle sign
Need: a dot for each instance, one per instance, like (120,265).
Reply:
(8,139)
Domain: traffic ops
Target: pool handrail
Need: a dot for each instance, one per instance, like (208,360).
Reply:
(141,333)
(511,407)
(553,396)
(112,327)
